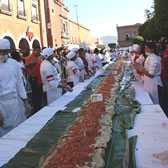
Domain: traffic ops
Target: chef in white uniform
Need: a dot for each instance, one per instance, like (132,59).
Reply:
(151,71)
(72,69)
(97,58)
(81,66)
(13,98)
(52,84)
(89,60)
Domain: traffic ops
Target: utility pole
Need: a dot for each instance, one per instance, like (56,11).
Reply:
(75,6)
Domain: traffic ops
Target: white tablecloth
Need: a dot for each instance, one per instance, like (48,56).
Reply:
(16,139)
(151,126)
(141,94)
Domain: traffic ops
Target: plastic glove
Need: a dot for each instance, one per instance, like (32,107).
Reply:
(68,88)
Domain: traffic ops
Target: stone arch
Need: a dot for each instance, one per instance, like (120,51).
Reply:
(35,43)
(12,43)
(24,47)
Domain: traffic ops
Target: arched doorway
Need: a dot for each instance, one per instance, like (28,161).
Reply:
(13,47)
(35,44)
(24,47)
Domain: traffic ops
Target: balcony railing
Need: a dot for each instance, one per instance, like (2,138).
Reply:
(65,35)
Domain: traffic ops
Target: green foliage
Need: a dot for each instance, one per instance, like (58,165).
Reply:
(150,32)
(148,14)
(157,26)
(143,27)
(137,40)
(161,16)
(112,45)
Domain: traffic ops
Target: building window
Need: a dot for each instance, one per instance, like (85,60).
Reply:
(34,11)
(56,1)
(52,10)
(64,26)
(5,5)
(21,8)
(127,36)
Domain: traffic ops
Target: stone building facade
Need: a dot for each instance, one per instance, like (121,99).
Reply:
(57,22)
(126,34)
(23,23)
(79,33)
(27,23)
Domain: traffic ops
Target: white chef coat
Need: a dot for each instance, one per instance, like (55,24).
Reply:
(98,61)
(89,60)
(11,90)
(22,70)
(133,57)
(153,66)
(51,80)
(103,58)
(80,64)
(140,59)
(73,72)
(11,79)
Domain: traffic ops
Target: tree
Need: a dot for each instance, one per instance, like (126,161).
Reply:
(148,14)
(143,27)
(161,16)
(112,45)
(150,32)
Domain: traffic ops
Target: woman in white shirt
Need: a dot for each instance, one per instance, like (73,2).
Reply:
(151,71)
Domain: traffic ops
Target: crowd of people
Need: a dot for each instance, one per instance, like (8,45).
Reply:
(150,62)
(29,83)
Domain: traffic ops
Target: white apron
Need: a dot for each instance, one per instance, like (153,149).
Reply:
(13,112)
(151,85)
(153,66)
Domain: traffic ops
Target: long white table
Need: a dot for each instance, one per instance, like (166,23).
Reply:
(141,94)
(16,139)
(151,126)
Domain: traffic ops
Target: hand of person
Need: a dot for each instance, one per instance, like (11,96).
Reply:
(1,120)
(68,88)
(138,67)
(27,108)
(63,84)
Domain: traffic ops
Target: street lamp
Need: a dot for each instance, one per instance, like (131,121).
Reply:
(75,6)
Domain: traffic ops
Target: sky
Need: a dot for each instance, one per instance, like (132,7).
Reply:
(102,16)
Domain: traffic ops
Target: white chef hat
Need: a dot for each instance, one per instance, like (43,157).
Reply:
(71,55)
(83,45)
(74,49)
(4,44)
(88,48)
(47,52)
(136,47)
(130,48)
